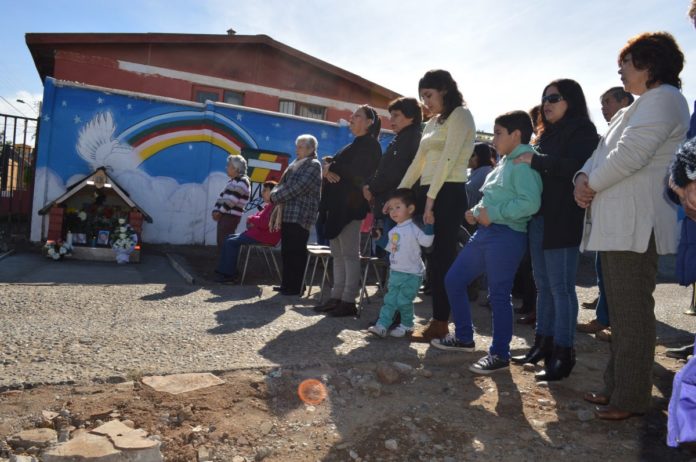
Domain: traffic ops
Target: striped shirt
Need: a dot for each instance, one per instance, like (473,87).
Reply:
(234,197)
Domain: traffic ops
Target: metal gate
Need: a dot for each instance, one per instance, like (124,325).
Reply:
(18,142)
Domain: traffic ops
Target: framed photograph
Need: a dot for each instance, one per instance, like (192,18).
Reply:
(103,237)
(80,238)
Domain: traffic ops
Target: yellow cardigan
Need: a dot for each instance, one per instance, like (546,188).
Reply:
(443,153)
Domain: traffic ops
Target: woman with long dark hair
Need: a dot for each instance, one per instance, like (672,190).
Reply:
(565,139)
(441,167)
(343,208)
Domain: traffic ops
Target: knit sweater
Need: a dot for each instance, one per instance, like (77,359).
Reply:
(234,197)
(443,153)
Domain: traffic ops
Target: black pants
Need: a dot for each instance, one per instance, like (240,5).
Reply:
(293,251)
(449,208)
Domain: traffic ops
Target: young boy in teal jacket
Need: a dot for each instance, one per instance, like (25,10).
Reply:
(511,195)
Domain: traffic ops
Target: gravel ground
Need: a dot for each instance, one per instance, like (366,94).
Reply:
(62,322)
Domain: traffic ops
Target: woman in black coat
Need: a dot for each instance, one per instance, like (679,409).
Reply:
(343,207)
(566,137)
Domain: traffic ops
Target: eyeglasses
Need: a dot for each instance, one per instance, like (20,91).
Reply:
(553,99)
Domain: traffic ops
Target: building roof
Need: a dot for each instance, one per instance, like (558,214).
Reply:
(43,46)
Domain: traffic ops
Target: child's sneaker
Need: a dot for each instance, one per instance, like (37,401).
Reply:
(400,331)
(489,364)
(378,329)
(453,344)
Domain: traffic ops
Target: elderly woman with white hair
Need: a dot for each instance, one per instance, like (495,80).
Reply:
(296,200)
(229,206)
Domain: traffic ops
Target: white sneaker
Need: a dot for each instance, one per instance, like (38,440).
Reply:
(378,330)
(400,331)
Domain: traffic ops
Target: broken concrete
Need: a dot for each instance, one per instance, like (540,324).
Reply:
(85,447)
(38,437)
(182,383)
(113,429)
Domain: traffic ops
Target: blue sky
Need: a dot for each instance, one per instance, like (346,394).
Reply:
(502,53)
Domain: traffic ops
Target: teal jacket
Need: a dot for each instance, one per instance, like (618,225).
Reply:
(511,192)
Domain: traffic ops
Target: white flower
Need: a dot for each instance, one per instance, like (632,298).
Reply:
(121,221)
(82,215)
(122,235)
(56,256)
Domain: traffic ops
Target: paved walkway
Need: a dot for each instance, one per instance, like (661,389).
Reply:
(77,321)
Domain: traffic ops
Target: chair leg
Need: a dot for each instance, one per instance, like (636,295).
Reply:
(246,263)
(324,277)
(380,287)
(363,292)
(275,264)
(304,275)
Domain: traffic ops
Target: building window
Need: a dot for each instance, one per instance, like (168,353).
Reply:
(201,96)
(302,109)
(233,97)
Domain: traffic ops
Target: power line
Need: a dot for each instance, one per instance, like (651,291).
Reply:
(12,106)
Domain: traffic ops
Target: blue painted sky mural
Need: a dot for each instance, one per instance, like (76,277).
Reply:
(169,155)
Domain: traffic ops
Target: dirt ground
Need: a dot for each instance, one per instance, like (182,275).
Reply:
(431,410)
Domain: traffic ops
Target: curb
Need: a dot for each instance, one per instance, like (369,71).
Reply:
(6,254)
(180,269)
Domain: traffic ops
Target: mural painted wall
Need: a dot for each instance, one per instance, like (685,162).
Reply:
(169,155)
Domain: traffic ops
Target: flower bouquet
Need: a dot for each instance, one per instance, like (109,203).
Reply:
(123,241)
(57,249)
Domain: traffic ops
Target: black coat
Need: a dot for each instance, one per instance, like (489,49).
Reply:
(343,202)
(564,148)
(393,165)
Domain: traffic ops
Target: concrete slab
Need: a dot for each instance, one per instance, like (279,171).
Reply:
(39,437)
(33,268)
(84,447)
(113,429)
(182,383)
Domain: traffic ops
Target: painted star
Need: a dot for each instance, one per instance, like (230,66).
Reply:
(100,100)
(324,134)
(190,146)
(239,116)
(268,138)
(77,119)
(276,125)
(47,118)
(64,103)
(129,106)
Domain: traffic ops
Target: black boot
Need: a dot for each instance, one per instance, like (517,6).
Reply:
(542,349)
(559,366)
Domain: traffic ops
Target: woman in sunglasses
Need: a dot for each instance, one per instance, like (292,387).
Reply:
(565,139)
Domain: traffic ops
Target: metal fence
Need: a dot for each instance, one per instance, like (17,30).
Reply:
(18,141)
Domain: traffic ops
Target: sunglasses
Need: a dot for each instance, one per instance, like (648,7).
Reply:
(553,99)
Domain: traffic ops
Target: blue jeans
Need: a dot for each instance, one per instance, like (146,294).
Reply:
(554,274)
(602,310)
(227,264)
(496,250)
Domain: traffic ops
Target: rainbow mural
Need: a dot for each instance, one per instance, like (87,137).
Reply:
(163,131)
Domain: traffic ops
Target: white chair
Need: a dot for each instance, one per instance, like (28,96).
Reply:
(318,253)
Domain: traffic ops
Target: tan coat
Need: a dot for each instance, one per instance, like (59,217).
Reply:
(628,170)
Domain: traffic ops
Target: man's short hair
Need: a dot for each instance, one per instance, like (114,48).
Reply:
(409,107)
(619,94)
(516,120)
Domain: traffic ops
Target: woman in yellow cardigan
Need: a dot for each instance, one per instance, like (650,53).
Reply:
(440,164)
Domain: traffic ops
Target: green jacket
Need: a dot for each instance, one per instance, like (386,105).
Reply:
(511,192)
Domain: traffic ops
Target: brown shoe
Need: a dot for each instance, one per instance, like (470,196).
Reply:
(604,335)
(590,327)
(596,398)
(434,329)
(613,413)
